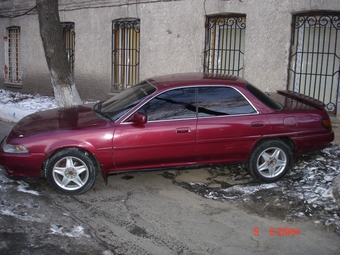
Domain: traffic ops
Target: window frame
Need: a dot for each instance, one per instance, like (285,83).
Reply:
(12,69)
(197,87)
(314,58)
(69,36)
(125,53)
(225,44)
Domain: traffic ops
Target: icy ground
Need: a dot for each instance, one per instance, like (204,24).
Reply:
(305,193)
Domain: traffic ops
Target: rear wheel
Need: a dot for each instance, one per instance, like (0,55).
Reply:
(70,172)
(270,161)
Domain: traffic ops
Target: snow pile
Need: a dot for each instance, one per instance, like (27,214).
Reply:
(14,106)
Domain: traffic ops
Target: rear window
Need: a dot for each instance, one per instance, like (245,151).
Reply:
(264,98)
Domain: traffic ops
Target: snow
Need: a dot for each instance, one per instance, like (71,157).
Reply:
(23,188)
(76,231)
(14,106)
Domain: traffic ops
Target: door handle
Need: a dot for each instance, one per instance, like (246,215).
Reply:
(183,130)
(257,124)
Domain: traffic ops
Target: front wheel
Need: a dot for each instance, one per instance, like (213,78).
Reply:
(270,161)
(70,172)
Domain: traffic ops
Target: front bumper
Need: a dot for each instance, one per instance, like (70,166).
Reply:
(21,165)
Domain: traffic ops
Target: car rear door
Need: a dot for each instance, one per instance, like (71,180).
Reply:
(168,138)
(228,125)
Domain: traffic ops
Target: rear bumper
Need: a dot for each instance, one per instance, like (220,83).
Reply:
(313,142)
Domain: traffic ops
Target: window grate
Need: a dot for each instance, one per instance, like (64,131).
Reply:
(125,53)
(224,44)
(315,57)
(69,40)
(13,72)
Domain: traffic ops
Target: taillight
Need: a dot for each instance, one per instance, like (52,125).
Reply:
(327,123)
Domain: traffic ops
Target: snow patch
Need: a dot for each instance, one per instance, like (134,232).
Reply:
(76,231)
(23,188)
(21,215)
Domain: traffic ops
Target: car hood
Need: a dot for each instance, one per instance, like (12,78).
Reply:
(51,121)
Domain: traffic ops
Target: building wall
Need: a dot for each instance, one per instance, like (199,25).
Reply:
(171,39)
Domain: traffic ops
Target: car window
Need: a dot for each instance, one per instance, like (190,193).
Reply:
(219,101)
(264,98)
(173,104)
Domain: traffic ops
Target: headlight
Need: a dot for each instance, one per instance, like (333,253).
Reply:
(14,148)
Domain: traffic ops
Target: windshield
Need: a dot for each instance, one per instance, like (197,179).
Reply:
(118,105)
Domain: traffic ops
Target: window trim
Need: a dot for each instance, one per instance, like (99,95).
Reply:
(256,112)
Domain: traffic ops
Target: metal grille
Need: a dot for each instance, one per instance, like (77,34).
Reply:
(224,44)
(125,53)
(13,72)
(315,57)
(69,40)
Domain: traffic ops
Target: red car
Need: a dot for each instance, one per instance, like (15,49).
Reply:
(166,122)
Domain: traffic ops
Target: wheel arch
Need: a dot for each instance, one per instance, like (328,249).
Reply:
(81,149)
(287,140)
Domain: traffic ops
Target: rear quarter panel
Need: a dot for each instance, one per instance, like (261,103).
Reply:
(304,128)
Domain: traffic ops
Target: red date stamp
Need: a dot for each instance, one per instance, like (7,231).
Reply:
(279,231)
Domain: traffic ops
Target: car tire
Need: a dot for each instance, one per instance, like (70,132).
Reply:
(70,172)
(270,161)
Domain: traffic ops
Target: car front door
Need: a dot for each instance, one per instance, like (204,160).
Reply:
(168,138)
(228,125)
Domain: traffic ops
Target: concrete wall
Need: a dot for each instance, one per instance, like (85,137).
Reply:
(172,39)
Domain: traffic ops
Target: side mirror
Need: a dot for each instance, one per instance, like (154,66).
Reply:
(137,118)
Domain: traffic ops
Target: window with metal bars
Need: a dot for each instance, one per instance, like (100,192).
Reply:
(12,69)
(315,57)
(125,53)
(69,40)
(224,44)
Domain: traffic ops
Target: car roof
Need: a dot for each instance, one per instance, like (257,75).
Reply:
(187,79)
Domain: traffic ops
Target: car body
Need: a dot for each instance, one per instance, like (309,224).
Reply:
(168,121)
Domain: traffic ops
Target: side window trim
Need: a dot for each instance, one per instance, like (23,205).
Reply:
(196,88)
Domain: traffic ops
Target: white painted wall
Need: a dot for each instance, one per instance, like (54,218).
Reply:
(172,39)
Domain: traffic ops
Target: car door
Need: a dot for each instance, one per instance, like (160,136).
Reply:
(228,125)
(168,138)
